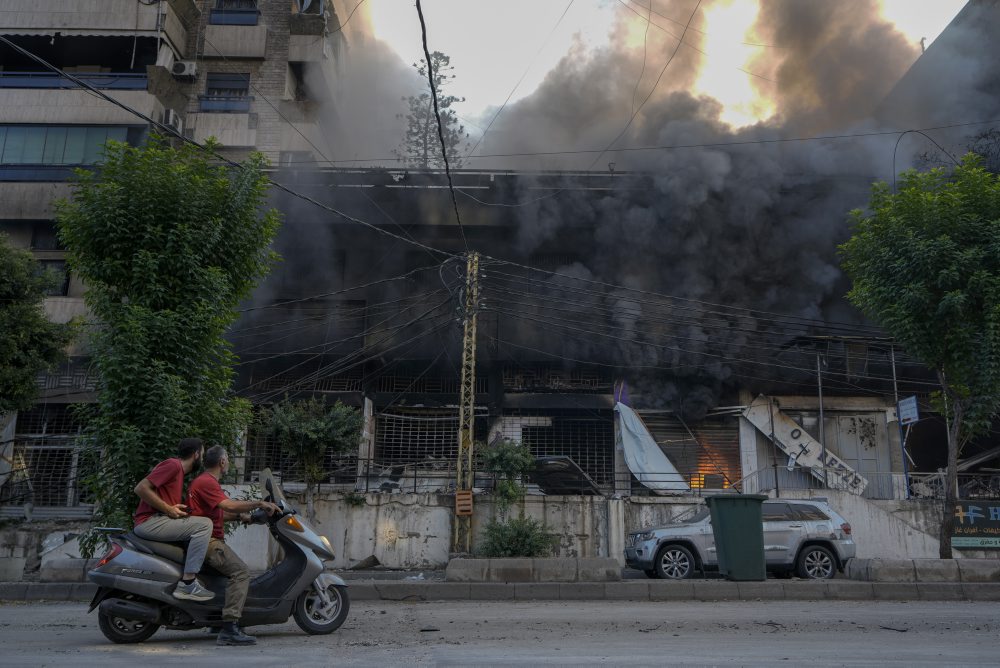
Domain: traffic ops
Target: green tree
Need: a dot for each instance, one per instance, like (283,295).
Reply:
(421,146)
(510,462)
(926,265)
(309,429)
(29,343)
(168,244)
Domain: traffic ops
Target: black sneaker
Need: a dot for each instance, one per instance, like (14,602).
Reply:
(192,592)
(232,634)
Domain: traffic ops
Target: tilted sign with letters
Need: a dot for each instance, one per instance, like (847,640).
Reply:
(977,524)
(801,448)
(907,411)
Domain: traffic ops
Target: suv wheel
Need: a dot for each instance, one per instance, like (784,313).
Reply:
(816,563)
(674,562)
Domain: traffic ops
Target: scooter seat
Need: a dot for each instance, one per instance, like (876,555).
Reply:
(172,551)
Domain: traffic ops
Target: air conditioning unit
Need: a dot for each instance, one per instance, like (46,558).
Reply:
(173,120)
(184,69)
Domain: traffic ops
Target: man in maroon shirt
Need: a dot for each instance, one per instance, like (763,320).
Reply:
(206,499)
(162,517)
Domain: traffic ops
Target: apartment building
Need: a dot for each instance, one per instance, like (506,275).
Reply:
(236,70)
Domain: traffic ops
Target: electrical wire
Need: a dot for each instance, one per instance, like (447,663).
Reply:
(687,44)
(668,147)
(440,127)
(523,74)
(167,130)
(575,328)
(748,311)
(338,292)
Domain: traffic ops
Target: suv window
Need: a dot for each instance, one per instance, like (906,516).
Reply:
(807,512)
(777,512)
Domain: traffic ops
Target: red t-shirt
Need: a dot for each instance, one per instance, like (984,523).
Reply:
(204,496)
(167,478)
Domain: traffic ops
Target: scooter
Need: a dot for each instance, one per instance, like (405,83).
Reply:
(136,579)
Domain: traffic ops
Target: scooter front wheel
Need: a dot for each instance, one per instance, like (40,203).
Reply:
(125,631)
(317,616)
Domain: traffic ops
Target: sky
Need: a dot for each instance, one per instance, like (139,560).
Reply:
(493,44)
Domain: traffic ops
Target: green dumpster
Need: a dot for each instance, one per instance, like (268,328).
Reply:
(739,535)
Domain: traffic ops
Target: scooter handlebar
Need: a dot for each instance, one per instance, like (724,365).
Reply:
(259,516)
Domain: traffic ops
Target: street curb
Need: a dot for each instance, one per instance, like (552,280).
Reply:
(628,590)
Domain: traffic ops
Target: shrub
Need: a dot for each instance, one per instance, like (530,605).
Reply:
(518,537)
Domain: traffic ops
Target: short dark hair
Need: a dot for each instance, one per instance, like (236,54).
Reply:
(188,446)
(213,456)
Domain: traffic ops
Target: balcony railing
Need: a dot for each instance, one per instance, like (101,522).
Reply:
(235,13)
(881,484)
(225,103)
(109,80)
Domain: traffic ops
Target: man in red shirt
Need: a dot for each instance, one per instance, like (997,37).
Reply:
(206,499)
(162,517)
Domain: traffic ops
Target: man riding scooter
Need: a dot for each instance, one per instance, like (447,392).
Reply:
(162,517)
(206,499)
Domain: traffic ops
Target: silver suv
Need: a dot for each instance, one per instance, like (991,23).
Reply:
(801,536)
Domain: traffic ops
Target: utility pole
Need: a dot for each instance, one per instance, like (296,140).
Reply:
(461,535)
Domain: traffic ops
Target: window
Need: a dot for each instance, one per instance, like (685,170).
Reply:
(809,513)
(776,512)
(44,236)
(227,92)
(60,287)
(234,13)
(59,144)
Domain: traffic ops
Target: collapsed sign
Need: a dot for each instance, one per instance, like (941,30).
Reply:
(802,449)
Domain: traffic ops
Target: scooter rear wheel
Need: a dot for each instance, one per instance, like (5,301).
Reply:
(314,617)
(125,631)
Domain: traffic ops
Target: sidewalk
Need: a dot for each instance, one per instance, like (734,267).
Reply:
(628,590)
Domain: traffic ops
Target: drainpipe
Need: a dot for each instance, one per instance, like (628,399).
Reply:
(899,424)
(774,456)
(822,426)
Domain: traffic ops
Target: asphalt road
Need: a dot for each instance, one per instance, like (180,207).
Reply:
(825,633)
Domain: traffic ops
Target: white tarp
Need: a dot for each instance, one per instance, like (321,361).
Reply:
(644,457)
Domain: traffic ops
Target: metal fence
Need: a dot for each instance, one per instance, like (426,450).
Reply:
(44,459)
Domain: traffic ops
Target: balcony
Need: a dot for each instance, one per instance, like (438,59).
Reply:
(235,41)
(100,17)
(107,81)
(60,106)
(238,104)
(231,129)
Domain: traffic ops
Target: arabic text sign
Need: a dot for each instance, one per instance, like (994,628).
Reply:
(977,524)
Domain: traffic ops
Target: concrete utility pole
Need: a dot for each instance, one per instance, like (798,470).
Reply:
(461,535)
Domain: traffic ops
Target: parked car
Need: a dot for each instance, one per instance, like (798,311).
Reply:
(804,537)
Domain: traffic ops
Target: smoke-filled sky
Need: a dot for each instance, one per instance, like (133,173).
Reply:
(588,67)
(493,44)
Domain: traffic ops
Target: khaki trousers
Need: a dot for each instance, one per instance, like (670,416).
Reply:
(222,558)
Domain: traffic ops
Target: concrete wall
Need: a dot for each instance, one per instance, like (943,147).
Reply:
(32,201)
(885,529)
(413,531)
